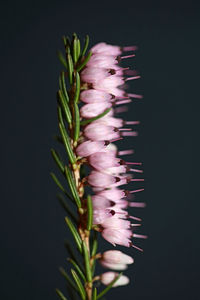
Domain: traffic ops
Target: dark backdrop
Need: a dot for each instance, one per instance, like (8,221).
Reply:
(32,225)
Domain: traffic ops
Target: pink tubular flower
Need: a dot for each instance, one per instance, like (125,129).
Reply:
(98,179)
(117,236)
(108,277)
(94,109)
(113,266)
(89,147)
(100,132)
(103,160)
(102,86)
(95,96)
(116,257)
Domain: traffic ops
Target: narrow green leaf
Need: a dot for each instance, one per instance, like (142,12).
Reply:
(58,182)
(82,65)
(76,122)
(73,255)
(60,117)
(108,287)
(60,294)
(79,284)
(85,122)
(58,160)
(74,233)
(77,91)
(65,106)
(78,47)
(76,50)
(66,41)
(94,251)
(63,86)
(94,295)
(94,244)
(69,280)
(87,262)
(89,213)
(72,186)
(67,145)
(66,207)
(85,45)
(70,66)
(77,269)
(62,59)
(55,179)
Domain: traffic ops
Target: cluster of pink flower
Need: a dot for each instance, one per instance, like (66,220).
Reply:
(103,79)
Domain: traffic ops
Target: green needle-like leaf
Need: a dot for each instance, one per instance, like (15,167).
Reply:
(73,255)
(94,295)
(76,122)
(70,66)
(60,294)
(76,49)
(87,262)
(94,251)
(85,45)
(77,269)
(66,207)
(63,86)
(58,183)
(72,186)
(89,213)
(66,41)
(60,117)
(74,233)
(85,122)
(82,65)
(77,91)
(94,244)
(69,280)
(62,59)
(79,284)
(58,160)
(67,145)
(65,106)
(108,287)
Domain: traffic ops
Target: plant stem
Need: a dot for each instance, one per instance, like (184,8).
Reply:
(83,232)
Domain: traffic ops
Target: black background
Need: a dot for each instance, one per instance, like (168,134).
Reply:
(32,222)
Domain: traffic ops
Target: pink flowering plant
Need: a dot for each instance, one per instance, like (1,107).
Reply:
(96,174)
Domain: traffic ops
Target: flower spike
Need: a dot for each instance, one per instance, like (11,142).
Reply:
(91,90)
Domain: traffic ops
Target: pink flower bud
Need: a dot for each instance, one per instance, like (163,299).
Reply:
(116,223)
(98,179)
(93,75)
(95,96)
(108,277)
(118,267)
(110,121)
(100,202)
(108,83)
(115,171)
(103,48)
(120,237)
(92,110)
(100,215)
(116,257)
(112,194)
(87,148)
(102,61)
(103,160)
(98,132)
